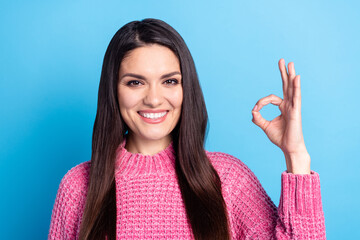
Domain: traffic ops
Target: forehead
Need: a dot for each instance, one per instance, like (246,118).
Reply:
(150,59)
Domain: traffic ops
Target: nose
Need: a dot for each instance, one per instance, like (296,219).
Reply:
(153,97)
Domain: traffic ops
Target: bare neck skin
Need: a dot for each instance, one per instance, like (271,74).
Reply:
(135,144)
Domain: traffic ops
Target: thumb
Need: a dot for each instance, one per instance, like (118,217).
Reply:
(258,119)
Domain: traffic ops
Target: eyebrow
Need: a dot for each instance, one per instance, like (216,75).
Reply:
(143,78)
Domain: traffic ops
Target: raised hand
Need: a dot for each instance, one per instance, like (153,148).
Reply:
(285,131)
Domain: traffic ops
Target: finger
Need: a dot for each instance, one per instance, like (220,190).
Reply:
(284,77)
(291,70)
(273,99)
(259,120)
(297,93)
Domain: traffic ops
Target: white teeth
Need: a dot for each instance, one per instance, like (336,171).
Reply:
(153,115)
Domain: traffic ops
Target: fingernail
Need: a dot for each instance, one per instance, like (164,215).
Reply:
(255,108)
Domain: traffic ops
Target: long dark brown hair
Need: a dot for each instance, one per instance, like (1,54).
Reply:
(198,180)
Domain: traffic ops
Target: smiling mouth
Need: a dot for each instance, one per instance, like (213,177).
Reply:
(153,115)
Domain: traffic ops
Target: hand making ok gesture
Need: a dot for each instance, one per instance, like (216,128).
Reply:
(285,131)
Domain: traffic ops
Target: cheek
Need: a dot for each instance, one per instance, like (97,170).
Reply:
(176,98)
(127,100)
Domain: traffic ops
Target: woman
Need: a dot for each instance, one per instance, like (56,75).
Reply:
(149,175)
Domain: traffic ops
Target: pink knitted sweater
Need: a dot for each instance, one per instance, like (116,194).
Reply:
(149,203)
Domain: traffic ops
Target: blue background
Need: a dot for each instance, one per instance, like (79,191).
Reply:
(51,54)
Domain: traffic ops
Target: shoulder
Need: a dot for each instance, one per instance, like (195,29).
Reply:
(69,203)
(77,175)
(229,167)
(241,187)
(225,161)
(75,181)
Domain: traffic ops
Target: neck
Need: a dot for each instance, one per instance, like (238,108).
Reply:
(146,146)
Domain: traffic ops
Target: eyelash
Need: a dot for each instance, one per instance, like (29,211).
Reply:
(133,83)
(172,81)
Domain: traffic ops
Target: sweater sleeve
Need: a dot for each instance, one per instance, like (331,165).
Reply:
(69,204)
(300,209)
(254,216)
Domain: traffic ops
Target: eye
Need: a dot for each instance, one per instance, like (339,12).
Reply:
(171,81)
(133,83)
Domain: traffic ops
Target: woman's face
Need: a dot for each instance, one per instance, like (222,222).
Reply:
(150,93)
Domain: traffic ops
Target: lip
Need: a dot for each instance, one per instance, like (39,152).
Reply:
(153,111)
(153,121)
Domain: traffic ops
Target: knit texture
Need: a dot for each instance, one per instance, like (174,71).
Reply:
(150,206)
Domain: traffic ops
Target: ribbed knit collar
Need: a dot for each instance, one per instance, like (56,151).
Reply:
(129,163)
